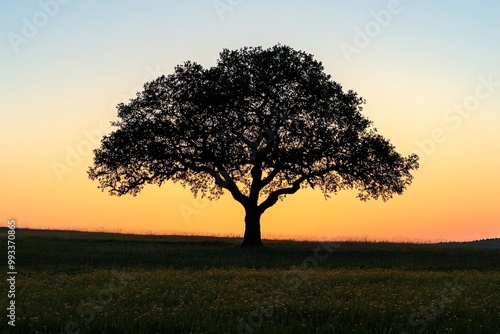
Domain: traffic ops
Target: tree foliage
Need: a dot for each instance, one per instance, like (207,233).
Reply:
(261,124)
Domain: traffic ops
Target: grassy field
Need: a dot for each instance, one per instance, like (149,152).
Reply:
(76,282)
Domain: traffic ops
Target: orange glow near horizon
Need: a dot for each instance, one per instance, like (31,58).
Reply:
(453,197)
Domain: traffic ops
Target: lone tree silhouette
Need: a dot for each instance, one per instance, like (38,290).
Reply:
(261,124)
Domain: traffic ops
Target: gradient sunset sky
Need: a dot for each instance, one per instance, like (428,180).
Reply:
(429,71)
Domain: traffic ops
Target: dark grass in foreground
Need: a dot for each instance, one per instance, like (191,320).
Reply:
(111,283)
(81,251)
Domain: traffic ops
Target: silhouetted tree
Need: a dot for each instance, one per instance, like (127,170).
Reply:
(261,124)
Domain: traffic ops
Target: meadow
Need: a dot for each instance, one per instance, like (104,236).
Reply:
(82,282)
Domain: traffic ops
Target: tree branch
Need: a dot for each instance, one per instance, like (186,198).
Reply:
(275,195)
(226,183)
(271,176)
(230,185)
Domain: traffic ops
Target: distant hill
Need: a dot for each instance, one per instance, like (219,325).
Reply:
(486,242)
(495,243)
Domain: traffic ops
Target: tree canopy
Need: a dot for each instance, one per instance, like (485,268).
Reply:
(260,124)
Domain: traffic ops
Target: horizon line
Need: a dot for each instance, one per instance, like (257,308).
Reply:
(271,237)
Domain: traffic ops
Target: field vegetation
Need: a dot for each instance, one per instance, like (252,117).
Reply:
(82,282)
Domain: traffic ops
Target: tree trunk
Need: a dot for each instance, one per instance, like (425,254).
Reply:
(252,228)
